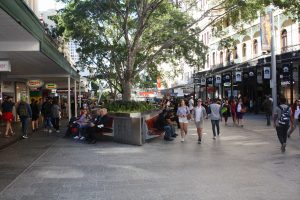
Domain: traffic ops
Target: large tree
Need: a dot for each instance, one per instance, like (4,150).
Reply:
(119,39)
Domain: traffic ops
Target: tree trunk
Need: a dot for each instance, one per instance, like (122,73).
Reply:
(126,87)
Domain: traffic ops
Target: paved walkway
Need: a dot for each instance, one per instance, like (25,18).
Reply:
(243,163)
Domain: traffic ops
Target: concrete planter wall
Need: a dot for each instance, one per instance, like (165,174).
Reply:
(129,128)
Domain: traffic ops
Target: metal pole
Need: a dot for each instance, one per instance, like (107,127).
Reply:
(69,98)
(79,94)
(75,97)
(273,61)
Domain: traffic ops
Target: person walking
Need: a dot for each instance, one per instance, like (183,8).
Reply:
(7,116)
(268,109)
(182,113)
(24,112)
(55,115)
(282,119)
(199,114)
(46,112)
(233,111)
(240,110)
(35,115)
(295,116)
(215,117)
(225,111)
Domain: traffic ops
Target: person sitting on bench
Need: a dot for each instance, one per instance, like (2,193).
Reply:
(98,125)
(164,122)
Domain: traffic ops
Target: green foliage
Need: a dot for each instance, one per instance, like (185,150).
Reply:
(129,106)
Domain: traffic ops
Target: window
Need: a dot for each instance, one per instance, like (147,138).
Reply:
(207,61)
(255,46)
(299,33)
(235,54)
(214,58)
(284,40)
(228,55)
(244,51)
(221,57)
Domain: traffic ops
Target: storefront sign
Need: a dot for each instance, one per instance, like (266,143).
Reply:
(227,78)
(238,76)
(50,86)
(5,66)
(218,79)
(35,83)
(267,73)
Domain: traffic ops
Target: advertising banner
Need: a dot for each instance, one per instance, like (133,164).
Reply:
(218,79)
(267,72)
(238,76)
(259,76)
(265,31)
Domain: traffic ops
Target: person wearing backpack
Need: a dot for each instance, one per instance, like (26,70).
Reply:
(24,112)
(282,121)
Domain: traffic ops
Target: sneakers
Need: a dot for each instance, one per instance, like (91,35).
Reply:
(168,139)
(57,131)
(82,138)
(76,137)
(283,147)
(50,131)
(182,139)
(199,141)
(214,137)
(25,136)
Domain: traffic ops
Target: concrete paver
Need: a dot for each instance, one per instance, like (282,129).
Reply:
(243,163)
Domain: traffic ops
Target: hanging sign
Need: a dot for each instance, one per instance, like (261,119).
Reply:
(218,79)
(203,81)
(35,83)
(267,73)
(50,86)
(238,76)
(295,73)
(226,78)
(209,81)
(245,75)
(259,76)
(286,71)
(5,66)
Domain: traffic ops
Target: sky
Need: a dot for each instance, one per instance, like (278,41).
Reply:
(48,4)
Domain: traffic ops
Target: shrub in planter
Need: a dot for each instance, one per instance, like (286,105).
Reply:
(129,106)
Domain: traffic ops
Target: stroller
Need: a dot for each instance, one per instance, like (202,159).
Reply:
(73,128)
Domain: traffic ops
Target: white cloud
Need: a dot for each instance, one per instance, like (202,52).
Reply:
(49,4)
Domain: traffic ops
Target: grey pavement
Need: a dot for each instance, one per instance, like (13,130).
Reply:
(243,163)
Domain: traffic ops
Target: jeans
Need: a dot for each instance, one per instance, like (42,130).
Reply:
(24,121)
(82,129)
(47,122)
(214,124)
(282,133)
(55,122)
(268,119)
(169,131)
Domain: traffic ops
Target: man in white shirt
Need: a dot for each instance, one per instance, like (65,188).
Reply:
(199,115)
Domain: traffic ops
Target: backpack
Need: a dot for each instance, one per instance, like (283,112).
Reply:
(284,119)
(23,111)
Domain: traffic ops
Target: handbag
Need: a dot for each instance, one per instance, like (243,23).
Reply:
(189,116)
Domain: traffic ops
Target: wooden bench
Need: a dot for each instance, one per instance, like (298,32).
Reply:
(107,130)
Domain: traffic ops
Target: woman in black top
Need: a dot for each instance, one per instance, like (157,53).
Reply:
(35,114)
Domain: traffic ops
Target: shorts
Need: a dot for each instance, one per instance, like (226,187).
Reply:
(8,116)
(183,120)
(239,115)
(199,124)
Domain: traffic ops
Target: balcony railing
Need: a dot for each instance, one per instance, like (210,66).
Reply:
(291,48)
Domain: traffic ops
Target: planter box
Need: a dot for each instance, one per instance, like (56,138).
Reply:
(129,128)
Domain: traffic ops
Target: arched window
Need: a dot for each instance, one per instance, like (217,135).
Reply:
(255,47)
(214,58)
(228,55)
(244,51)
(235,54)
(284,40)
(221,57)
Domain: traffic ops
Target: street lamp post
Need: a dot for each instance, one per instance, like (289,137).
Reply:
(273,59)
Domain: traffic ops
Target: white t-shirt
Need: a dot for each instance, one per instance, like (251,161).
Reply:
(297,112)
(239,107)
(198,114)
